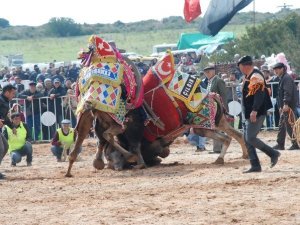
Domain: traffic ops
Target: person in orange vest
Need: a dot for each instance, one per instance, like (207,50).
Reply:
(64,138)
(18,140)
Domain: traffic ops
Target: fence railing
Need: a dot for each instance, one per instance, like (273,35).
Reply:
(44,115)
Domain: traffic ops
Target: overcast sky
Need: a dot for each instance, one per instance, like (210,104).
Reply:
(38,12)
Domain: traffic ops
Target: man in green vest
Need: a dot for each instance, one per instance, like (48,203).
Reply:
(64,138)
(18,140)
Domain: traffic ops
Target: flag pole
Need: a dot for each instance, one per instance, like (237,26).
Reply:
(254,13)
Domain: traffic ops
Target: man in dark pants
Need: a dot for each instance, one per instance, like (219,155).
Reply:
(217,85)
(8,93)
(255,102)
(287,100)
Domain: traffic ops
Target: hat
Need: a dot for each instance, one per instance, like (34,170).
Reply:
(56,80)
(65,121)
(14,115)
(245,60)
(264,68)
(278,65)
(32,83)
(210,66)
(47,79)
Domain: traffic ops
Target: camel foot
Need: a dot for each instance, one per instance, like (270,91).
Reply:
(68,175)
(140,166)
(219,161)
(132,158)
(98,164)
(165,153)
(245,156)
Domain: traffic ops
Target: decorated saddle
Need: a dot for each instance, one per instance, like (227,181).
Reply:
(105,77)
(175,98)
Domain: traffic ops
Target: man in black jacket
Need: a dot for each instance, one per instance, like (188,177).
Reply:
(8,93)
(287,100)
(255,103)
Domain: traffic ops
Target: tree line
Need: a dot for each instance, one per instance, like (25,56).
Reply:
(67,27)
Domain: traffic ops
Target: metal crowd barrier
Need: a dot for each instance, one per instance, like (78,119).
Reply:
(43,119)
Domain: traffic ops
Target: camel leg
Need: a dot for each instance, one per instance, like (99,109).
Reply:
(98,161)
(83,128)
(216,136)
(109,135)
(140,161)
(237,135)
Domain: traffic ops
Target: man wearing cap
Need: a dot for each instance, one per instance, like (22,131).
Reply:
(287,100)
(55,102)
(63,138)
(217,85)
(8,93)
(255,103)
(33,106)
(20,87)
(18,141)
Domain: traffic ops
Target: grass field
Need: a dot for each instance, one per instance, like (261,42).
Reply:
(65,49)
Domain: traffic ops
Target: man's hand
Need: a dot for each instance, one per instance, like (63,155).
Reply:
(285,108)
(253,116)
(52,96)
(29,98)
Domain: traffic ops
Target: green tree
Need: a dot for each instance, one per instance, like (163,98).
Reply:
(4,23)
(63,27)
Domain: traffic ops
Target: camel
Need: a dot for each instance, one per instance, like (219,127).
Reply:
(105,124)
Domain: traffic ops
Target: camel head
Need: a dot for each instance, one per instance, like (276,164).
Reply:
(98,50)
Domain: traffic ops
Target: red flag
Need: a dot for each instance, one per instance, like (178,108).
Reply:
(191,10)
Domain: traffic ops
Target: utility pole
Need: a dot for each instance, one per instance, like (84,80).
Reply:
(284,6)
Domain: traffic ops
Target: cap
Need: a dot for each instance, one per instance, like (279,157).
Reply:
(264,68)
(56,80)
(47,79)
(278,65)
(32,83)
(14,115)
(210,66)
(65,121)
(245,60)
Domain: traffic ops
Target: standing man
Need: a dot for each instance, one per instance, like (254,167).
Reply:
(8,93)
(255,103)
(217,85)
(287,100)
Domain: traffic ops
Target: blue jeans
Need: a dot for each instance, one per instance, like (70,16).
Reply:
(57,151)
(196,140)
(26,150)
(36,126)
(251,131)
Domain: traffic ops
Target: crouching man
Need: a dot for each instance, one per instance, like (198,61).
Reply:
(63,140)
(18,140)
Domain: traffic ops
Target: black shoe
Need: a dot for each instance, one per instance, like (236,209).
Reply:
(29,164)
(294,147)
(274,159)
(199,149)
(214,152)
(13,164)
(253,170)
(2,176)
(278,147)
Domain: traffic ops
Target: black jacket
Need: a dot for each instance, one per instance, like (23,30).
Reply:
(287,92)
(36,102)
(259,102)
(4,109)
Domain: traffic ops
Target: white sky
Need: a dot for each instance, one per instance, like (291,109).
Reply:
(38,12)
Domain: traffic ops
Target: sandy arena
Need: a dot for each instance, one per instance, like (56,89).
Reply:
(185,189)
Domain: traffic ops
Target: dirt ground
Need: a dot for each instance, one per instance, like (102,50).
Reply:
(185,189)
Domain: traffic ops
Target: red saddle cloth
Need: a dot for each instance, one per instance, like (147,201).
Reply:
(163,106)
